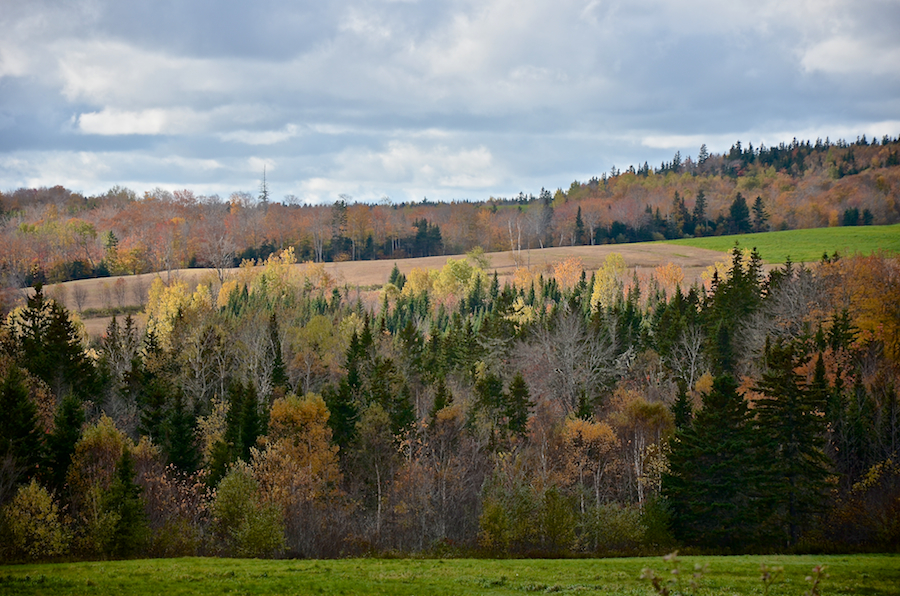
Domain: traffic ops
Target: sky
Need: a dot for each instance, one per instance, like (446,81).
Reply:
(407,99)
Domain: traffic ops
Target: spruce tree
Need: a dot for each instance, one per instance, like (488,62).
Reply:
(20,436)
(579,228)
(249,420)
(791,422)
(518,404)
(711,485)
(760,216)
(698,216)
(442,399)
(49,347)
(279,370)
(181,439)
(131,529)
(682,410)
(739,216)
(67,427)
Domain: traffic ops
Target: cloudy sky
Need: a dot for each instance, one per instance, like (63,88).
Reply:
(449,99)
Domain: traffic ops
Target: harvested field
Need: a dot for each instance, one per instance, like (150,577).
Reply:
(92,296)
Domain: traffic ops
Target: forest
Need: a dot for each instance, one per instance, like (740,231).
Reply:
(51,235)
(271,413)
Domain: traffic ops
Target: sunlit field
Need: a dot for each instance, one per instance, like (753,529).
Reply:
(806,245)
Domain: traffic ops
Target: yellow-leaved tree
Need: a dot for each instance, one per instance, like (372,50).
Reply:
(590,449)
(608,282)
(297,469)
(168,303)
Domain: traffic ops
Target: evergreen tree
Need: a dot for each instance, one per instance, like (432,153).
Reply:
(760,216)
(442,399)
(20,436)
(579,228)
(680,217)
(739,216)
(792,425)
(711,485)
(279,370)
(131,529)
(148,383)
(682,410)
(402,413)
(252,422)
(181,439)
(49,347)
(491,400)
(699,214)
(518,404)
(67,427)
(730,302)
(703,155)
(343,409)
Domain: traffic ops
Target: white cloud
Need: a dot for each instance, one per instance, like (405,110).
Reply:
(257,165)
(263,137)
(365,24)
(145,122)
(847,56)
(439,166)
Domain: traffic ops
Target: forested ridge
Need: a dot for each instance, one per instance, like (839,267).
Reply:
(272,413)
(54,234)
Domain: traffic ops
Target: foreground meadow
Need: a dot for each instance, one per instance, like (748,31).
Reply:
(854,574)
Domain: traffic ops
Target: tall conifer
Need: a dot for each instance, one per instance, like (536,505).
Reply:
(791,422)
(711,486)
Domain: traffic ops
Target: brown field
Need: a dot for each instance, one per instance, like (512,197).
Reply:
(132,291)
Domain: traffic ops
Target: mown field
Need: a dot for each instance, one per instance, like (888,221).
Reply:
(693,255)
(856,574)
(103,294)
(806,245)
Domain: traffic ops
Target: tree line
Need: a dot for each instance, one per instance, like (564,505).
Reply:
(50,235)
(563,412)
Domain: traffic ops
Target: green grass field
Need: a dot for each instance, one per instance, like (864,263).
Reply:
(806,245)
(852,574)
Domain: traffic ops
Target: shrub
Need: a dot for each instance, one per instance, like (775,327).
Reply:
(613,528)
(247,526)
(35,528)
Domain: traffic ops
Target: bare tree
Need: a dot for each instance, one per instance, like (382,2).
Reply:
(201,358)
(106,293)
(119,289)
(566,363)
(218,247)
(321,229)
(79,292)
(139,289)
(687,360)
(590,215)
(796,305)
(59,293)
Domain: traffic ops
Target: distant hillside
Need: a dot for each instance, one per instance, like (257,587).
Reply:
(55,234)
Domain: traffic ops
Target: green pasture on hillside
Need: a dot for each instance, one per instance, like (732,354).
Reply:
(806,245)
(852,574)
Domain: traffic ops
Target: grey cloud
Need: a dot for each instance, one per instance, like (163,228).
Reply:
(381,97)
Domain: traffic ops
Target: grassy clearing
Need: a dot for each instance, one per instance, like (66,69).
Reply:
(806,245)
(856,574)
